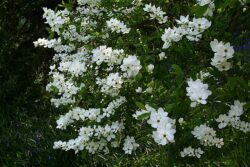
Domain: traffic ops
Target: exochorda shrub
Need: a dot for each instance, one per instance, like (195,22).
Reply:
(133,75)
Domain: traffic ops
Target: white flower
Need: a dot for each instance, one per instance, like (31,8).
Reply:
(198,152)
(216,45)
(131,66)
(155,13)
(196,27)
(197,92)
(114,80)
(117,26)
(164,133)
(157,118)
(210,10)
(200,24)
(150,109)
(223,120)
(129,145)
(222,52)
(56,19)
(164,125)
(181,121)
(112,106)
(150,68)
(66,89)
(75,65)
(104,54)
(171,35)
(148,90)
(203,75)
(101,54)
(224,66)
(162,56)
(138,90)
(207,136)
(88,2)
(192,152)
(236,110)
(111,85)
(203,2)
(45,43)
(191,29)
(183,21)
(201,131)
(233,118)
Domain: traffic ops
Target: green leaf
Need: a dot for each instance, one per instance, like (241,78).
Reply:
(199,10)
(222,5)
(247,106)
(177,70)
(68,5)
(51,33)
(179,74)
(140,105)
(143,116)
(21,23)
(169,107)
(138,77)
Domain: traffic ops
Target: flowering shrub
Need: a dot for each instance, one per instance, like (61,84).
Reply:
(134,76)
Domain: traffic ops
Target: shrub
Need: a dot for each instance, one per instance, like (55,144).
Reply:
(161,80)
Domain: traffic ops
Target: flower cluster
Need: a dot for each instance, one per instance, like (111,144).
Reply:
(56,19)
(45,43)
(129,145)
(197,92)
(192,152)
(92,139)
(135,4)
(222,52)
(74,65)
(88,2)
(70,33)
(207,136)
(104,54)
(155,13)
(131,66)
(110,85)
(202,75)
(93,114)
(233,118)
(73,61)
(159,120)
(87,134)
(117,26)
(191,29)
(65,88)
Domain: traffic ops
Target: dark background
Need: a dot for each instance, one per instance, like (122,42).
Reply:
(26,132)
